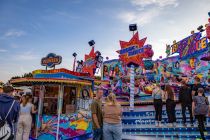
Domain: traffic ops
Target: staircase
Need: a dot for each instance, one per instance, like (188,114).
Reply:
(140,124)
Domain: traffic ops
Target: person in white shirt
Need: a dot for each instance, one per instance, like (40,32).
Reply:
(25,119)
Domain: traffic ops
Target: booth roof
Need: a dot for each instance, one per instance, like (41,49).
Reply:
(32,81)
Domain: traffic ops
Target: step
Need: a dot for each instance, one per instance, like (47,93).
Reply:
(152,121)
(148,113)
(162,129)
(172,136)
(149,117)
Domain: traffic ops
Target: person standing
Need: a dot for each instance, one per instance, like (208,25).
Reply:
(200,108)
(9,110)
(157,95)
(25,119)
(185,98)
(97,118)
(112,127)
(170,106)
(196,86)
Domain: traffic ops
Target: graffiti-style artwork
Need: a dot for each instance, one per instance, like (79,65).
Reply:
(70,126)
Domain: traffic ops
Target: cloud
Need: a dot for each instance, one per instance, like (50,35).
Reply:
(14,33)
(160,3)
(66,15)
(140,18)
(29,55)
(14,46)
(142,15)
(3,50)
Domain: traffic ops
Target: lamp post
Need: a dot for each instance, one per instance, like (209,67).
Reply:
(74,55)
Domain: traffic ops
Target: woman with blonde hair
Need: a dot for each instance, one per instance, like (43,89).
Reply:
(25,119)
(112,127)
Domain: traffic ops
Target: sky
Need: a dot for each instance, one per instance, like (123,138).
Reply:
(30,29)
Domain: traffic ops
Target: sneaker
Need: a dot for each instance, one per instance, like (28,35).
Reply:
(160,125)
(156,124)
(170,125)
(205,133)
(192,125)
(174,124)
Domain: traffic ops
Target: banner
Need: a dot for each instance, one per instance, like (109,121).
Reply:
(190,46)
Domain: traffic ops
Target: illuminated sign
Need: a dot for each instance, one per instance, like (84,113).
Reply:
(190,46)
(89,64)
(134,51)
(51,60)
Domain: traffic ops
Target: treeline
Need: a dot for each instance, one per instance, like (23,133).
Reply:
(26,75)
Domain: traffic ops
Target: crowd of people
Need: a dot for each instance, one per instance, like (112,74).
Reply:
(191,98)
(16,112)
(16,115)
(107,121)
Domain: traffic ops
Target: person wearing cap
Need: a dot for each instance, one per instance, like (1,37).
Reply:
(7,101)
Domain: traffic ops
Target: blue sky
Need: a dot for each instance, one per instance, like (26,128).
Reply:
(30,29)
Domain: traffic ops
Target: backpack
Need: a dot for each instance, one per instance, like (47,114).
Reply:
(5,130)
(201,106)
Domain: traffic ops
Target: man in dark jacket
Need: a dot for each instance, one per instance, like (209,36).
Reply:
(185,98)
(6,100)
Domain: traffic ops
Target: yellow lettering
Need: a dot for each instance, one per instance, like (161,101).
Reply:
(203,43)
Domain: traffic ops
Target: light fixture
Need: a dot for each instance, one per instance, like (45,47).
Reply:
(91,42)
(74,54)
(200,28)
(133,27)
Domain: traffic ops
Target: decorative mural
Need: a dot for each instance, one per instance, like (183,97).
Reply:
(70,126)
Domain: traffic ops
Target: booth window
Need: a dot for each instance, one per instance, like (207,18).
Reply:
(50,100)
(69,100)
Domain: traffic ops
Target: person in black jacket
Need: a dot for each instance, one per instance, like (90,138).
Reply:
(185,98)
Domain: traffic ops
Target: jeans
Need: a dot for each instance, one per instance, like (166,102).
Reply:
(201,126)
(97,134)
(112,131)
(158,109)
(189,107)
(170,109)
(24,127)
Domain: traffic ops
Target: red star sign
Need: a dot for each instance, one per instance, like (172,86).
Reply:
(89,64)
(127,47)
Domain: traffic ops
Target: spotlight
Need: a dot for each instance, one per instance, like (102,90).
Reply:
(74,54)
(200,28)
(133,27)
(91,43)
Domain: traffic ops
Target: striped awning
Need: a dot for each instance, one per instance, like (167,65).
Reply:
(33,81)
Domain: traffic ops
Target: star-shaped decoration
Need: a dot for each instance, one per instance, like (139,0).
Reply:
(89,64)
(133,44)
